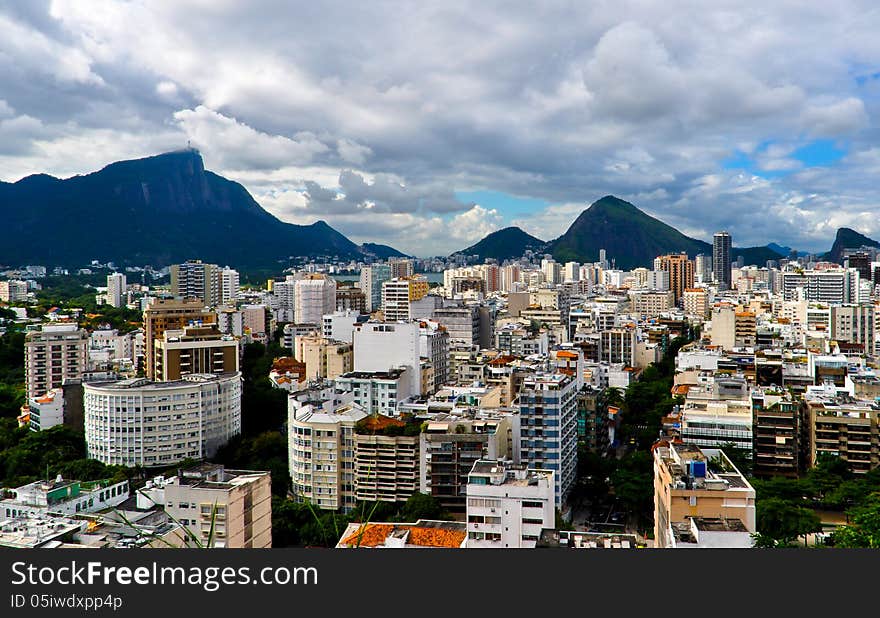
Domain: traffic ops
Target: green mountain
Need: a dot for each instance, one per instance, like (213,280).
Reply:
(848,239)
(158,211)
(634,238)
(505,244)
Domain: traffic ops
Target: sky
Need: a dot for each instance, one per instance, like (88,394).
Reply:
(427,125)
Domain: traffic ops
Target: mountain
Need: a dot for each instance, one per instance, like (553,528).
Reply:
(634,238)
(848,239)
(504,244)
(382,252)
(627,234)
(157,210)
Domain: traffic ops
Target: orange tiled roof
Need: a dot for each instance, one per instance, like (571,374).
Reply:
(423,536)
(680,389)
(378,422)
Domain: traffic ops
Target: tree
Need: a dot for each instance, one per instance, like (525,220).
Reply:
(421,506)
(863,529)
(783,522)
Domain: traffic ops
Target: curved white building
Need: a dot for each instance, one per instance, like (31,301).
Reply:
(141,422)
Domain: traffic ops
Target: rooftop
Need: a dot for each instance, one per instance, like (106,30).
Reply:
(422,533)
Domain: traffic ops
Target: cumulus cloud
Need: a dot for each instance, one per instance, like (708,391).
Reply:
(239,145)
(389,117)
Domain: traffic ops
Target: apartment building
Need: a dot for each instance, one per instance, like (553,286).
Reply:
(381,346)
(116,290)
(386,459)
(451,444)
(508,505)
(321,450)
(194,350)
(52,355)
(195,279)
(843,427)
(138,422)
(221,507)
(162,315)
(548,428)
(324,358)
(778,433)
(314,296)
(693,482)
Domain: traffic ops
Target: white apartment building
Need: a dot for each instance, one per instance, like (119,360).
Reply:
(228,286)
(55,353)
(340,325)
(138,422)
(381,346)
(116,290)
(378,392)
(46,411)
(434,346)
(837,285)
(508,505)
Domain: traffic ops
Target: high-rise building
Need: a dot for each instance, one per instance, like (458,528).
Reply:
(548,428)
(833,285)
(13,291)
(52,355)
(371,280)
(861,261)
(434,346)
(162,315)
(196,279)
(399,294)
(285,294)
(508,505)
(721,261)
(323,358)
(381,346)
(194,350)
(681,272)
(228,286)
(400,268)
(138,422)
(315,295)
(695,302)
(116,290)
(321,451)
(351,299)
(703,268)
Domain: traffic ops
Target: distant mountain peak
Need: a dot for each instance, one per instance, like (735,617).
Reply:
(507,243)
(848,238)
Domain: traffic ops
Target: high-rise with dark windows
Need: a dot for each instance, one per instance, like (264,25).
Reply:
(721,259)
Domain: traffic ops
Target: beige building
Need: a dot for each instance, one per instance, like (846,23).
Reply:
(53,354)
(692,482)
(733,328)
(194,349)
(696,302)
(222,508)
(13,291)
(324,358)
(162,315)
(321,451)
(195,279)
(652,303)
(386,462)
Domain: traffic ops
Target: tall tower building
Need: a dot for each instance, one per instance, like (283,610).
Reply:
(681,272)
(372,278)
(401,267)
(721,260)
(164,315)
(227,287)
(116,287)
(195,279)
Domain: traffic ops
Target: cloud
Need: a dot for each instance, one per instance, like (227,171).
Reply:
(376,123)
(239,145)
